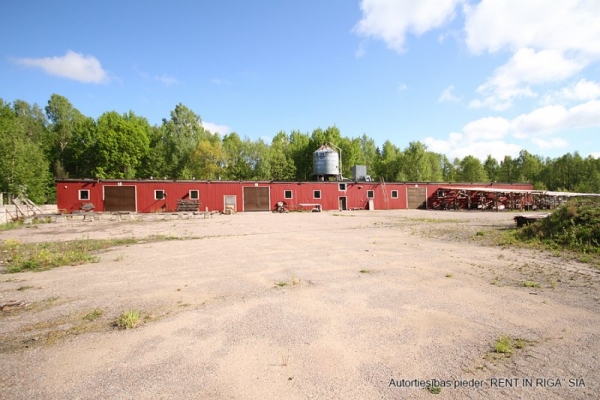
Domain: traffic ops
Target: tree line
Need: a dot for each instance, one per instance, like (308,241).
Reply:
(39,145)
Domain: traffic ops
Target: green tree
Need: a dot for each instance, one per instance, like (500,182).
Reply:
(507,172)
(122,142)
(435,167)
(388,165)
(282,162)
(416,165)
(528,166)
(369,150)
(448,170)
(470,169)
(207,160)
(182,133)
(302,154)
(34,122)
(491,168)
(236,166)
(23,166)
(65,121)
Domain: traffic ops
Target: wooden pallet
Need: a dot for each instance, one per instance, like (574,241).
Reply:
(188,205)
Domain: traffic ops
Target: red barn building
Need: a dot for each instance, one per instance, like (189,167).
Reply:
(110,195)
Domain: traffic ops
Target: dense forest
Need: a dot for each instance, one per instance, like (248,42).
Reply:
(38,145)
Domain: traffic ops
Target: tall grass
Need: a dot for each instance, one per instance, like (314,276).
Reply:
(574,226)
(18,257)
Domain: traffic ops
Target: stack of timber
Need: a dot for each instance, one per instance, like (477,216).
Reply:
(188,205)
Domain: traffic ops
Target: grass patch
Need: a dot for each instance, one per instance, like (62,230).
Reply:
(505,346)
(20,289)
(128,320)
(433,389)
(573,229)
(449,275)
(531,284)
(295,281)
(11,225)
(364,271)
(18,257)
(93,315)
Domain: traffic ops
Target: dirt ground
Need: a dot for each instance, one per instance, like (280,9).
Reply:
(302,305)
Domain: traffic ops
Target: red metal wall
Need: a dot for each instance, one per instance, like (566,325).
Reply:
(212,193)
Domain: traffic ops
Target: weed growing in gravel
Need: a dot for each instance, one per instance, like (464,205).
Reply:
(128,320)
(504,345)
(434,389)
(364,271)
(295,281)
(531,284)
(11,225)
(449,275)
(95,314)
(20,257)
(24,288)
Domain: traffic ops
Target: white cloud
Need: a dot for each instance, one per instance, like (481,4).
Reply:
(402,87)
(595,154)
(215,128)
(76,66)
(447,95)
(553,143)
(493,25)
(525,67)
(489,128)
(480,138)
(456,147)
(391,20)
(552,119)
(580,91)
(166,80)
(361,50)
(492,135)
(550,44)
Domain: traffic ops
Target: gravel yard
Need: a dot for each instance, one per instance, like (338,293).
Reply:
(302,305)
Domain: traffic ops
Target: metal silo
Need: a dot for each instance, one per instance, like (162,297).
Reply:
(326,163)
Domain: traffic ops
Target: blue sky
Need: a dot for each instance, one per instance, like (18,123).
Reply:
(462,76)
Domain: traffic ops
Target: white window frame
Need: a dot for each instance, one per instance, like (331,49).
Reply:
(372,192)
(164,194)
(394,192)
(291,196)
(440,192)
(194,198)
(340,187)
(315,194)
(84,190)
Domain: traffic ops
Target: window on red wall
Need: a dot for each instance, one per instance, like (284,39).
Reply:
(159,195)
(394,194)
(194,194)
(287,194)
(370,194)
(316,194)
(84,195)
